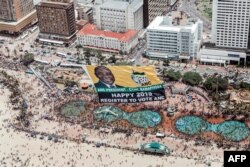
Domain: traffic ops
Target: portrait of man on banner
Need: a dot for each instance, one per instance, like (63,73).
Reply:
(106,78)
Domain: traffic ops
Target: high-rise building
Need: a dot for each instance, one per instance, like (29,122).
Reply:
(169,37)
(56,19)
(16,15)
(154,8)
(118,15)
(230,26)
(14,10)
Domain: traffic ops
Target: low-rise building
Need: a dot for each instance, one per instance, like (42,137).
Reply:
(173,37)
(221,57)
(91,37)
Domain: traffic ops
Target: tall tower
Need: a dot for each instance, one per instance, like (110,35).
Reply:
(230,26)
(56,19)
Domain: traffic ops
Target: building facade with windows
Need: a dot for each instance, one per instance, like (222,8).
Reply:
(56,20)
(118,15)
(230,26)
(14,10)
(154,8)
(91,37)
(168,39)
(221,57)
(15,15)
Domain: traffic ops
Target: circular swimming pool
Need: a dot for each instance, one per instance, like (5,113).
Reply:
(142,118)
(230,130)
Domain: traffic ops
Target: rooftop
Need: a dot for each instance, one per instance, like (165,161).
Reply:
(91,29)
(55,2)
(175,21)
(115,5)
(81,22)
(221,52)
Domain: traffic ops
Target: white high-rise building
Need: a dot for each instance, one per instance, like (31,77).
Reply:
(171,38)
(118,15)
(230,26)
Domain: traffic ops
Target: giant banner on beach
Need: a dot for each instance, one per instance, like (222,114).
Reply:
(126,84)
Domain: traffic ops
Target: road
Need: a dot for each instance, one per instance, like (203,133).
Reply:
(18,43)
(189,7)
(136,54)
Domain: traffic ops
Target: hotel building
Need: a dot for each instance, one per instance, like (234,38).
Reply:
(56,19)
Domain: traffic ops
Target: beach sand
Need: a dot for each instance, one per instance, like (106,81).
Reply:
(19,149)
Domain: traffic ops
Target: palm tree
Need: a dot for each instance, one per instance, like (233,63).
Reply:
(87,52)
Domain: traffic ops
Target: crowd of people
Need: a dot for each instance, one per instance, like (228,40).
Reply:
(43,101)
